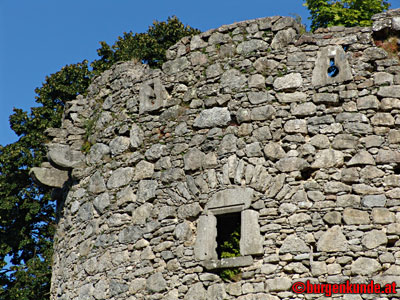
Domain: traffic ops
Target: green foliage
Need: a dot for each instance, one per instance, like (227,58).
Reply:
(27,213)
(148,47)
(230,248)
(326,13)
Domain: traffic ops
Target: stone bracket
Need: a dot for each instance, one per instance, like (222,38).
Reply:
(231,262)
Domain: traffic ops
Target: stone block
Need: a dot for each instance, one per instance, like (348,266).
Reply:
(251,241)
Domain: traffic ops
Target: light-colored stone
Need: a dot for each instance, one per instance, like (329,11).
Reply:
(206,244)
(333,240)
(365,266)
(143,170)
(63,156)
(156,283)
(214,117)
(288,82)
(355,216)
(294,245)
(374,239)
(251,241)
(120,177)
(327,158)
(49,176)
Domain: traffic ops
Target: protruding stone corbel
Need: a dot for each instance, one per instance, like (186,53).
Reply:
(49,176)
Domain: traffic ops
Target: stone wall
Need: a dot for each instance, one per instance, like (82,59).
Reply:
(249,118)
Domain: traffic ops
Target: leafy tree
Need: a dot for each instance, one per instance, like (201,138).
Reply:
(326,13)
(148,47)
(27,213)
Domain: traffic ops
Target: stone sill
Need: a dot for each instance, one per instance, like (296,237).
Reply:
(231,262)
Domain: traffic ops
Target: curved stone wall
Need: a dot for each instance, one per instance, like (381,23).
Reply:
(298,134)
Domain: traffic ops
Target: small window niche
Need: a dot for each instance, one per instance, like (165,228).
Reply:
(228,235)
(225,215)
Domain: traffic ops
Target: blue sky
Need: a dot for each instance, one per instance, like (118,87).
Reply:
(39,37)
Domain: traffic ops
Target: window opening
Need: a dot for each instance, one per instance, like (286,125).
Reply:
(396,169)
(228,235)
(228,243)
(333,70)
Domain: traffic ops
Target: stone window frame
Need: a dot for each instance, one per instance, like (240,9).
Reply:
(228,201)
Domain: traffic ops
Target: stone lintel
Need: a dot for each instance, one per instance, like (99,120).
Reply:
(231,262)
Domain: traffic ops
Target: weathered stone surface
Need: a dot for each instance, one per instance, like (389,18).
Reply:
(205,246)
(374,239)
(230,198)
(146,190)
(362,158)
(288,82)
(383,78)
(184,231)
(251,241)
(318,268)
(155,152)
(388,156)
(274,151)
(233,80)
(333,240)
(278,284)
(142,213)
(216,292)
(143,170)
(328,158)
(266,112)
(153,95)
(229,262)
(373,200)
(250,46)
(296,126)
(213,117)
(119,145)
(365,266)
(253,150)
(257,81)
(49,176)
(390,103)
(120,177)
(156,283)
(354,216)
(392,91)
(320,75)
(294,245)
(175,66)
(136,136)
(291,97)
(234,123)
(197,42)
(63,156)
(196,292)
(97,152)
(382,119)
(394,136)
(304,109)
(368,102)
(189,211)
(290,164)
(326,98)
(228,144)
(333,217)
(283,38)
(259,97)
(101,202)
(345,141)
